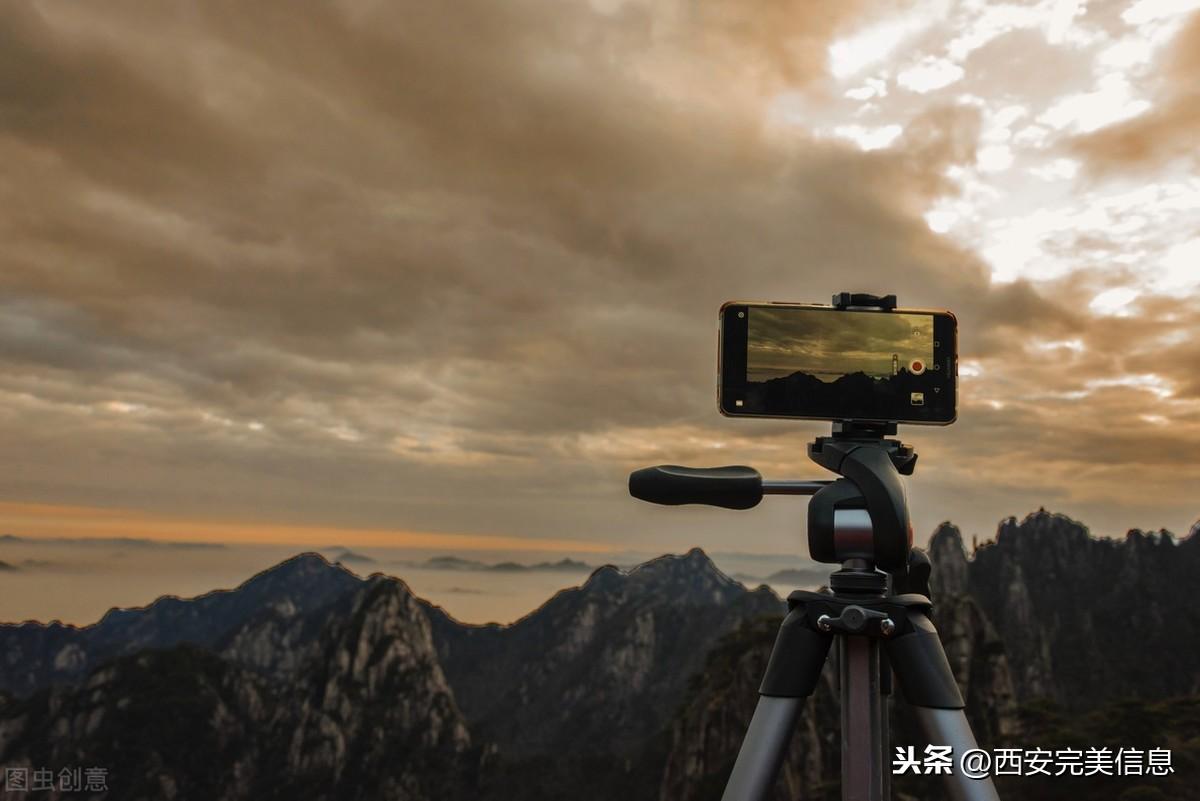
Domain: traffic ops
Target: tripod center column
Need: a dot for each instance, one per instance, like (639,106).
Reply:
(862,719)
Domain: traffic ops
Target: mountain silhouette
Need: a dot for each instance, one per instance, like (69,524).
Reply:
(458,563)
(37,654)
(308,682)
(867,396)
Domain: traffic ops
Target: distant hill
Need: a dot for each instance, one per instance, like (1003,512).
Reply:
(114,542)
(351,557)
(458,563)
(801,576)
(792,576)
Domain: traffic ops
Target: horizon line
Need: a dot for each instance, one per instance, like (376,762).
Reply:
(39,521)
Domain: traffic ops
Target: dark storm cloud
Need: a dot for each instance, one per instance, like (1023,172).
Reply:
(100,112)
(438,265)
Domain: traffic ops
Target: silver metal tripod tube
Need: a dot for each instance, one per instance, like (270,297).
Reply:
(950,727)
(763,749)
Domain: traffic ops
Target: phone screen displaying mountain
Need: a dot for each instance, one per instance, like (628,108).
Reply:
(829,345)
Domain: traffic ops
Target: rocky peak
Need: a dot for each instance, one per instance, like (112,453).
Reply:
(37,655)
(377,689)
(949,559)
(1150,539)
(600,666)
(305,582)
(1078,613)
(1043,532)
(606,578)
(131,715)
(308,579)
(368,715)
(689,578)
(302,566)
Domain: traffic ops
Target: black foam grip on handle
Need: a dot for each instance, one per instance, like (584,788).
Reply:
(733,487)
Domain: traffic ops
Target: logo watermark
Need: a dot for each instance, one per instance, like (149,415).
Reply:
(65,780)
(979,763)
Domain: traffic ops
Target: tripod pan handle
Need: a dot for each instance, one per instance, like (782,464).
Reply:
(733,487)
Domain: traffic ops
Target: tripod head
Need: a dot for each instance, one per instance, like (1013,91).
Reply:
(862,516)
(870,467)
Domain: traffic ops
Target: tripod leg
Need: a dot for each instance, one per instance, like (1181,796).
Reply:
(792,675)
(763,749)
(885,734)
(924,674)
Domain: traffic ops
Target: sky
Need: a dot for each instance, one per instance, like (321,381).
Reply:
(439,275)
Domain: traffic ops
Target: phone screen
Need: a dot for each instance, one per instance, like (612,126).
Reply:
(827,363)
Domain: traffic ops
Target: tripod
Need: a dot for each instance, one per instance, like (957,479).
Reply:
(878,610)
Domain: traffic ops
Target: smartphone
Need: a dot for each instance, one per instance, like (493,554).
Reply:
(812,362)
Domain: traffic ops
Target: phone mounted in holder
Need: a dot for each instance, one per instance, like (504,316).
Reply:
(870,466)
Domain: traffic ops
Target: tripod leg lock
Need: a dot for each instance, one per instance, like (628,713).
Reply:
(921,666)
(798,657)
(911,644)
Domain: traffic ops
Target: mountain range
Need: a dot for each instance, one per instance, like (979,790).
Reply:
(876,397)
(458,563)
(310,682)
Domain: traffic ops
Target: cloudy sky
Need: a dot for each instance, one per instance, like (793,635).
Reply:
(440,274)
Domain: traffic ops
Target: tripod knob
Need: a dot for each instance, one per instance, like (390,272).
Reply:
(857,620)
